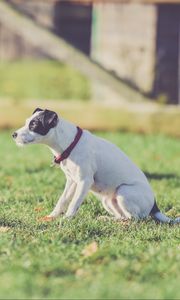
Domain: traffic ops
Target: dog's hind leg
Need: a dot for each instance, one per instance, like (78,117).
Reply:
(134,200)
(114,207)
(106,205)
(118,209)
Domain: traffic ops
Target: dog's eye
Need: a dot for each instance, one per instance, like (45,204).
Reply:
(32,125)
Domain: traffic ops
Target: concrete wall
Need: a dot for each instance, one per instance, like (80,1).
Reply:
(124,40)
(69,20)
(13,46)
(122,37)
(41,11)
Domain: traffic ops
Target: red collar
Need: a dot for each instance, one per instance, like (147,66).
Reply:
(69,149)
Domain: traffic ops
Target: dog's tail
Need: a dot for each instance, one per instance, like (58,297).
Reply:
(157,215)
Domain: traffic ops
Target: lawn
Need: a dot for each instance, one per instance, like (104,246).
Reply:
(130,260)
(41,79)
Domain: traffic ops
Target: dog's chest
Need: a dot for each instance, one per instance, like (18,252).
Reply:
(70,169)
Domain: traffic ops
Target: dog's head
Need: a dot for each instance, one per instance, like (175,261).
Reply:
(36,128)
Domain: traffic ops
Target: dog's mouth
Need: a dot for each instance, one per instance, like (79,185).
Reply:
(22,143)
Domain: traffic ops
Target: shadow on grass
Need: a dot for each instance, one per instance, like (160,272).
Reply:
(19,224)
(12,223)
(161,176)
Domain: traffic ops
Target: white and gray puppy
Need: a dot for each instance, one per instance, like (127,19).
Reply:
(91,163)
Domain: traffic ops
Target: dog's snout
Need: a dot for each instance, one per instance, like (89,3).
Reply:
(14,135)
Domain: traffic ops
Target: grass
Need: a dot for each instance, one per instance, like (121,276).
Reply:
(97,116)
(42,79)
(138,260)
(27,84)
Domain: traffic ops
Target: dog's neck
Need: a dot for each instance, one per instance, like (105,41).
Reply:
(61,137)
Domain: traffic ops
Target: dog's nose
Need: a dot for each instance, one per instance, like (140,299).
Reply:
(14,135)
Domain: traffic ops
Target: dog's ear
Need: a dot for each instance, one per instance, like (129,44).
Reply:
(50,119)
(36,110)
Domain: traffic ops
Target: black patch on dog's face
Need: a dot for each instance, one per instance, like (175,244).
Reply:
(42,123)
(36,110)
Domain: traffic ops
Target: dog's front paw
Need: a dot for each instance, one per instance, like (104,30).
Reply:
(56,213)
(68,216)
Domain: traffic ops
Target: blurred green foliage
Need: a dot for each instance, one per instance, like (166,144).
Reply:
(46,79)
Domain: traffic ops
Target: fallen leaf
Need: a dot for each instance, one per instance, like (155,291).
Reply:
(4,228)
(79,272)
(46,219)
(90,249)
(39,208)
(157,157)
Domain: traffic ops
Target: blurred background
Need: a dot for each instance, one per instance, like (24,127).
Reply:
(106,65)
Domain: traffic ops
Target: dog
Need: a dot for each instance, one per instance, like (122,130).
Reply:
(91,163)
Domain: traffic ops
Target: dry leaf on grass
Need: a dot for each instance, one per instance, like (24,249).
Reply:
(4,228)
(80,273)
(38,208)
(90,249)
(46,219)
